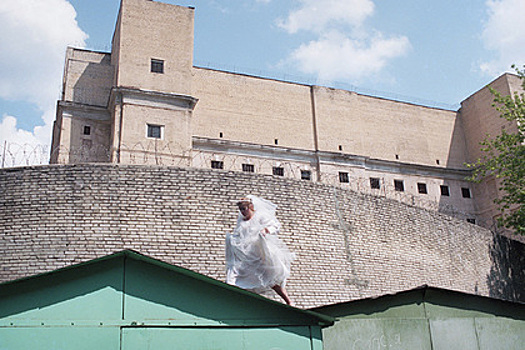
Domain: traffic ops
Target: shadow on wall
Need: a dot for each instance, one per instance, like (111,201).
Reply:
(506,279)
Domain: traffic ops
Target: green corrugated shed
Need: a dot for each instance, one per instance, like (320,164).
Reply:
(426,318)
(130,301)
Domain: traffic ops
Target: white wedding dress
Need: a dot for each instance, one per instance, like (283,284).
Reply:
(256,261)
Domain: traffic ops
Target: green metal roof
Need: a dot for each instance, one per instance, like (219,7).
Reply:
(10,287)
(450,299)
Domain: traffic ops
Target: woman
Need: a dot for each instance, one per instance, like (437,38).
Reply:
(256,259)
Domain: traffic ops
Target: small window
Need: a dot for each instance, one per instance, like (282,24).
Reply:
(343,177)
(422,188)
(397,156)
(155,131)
(444,190)
(157,66)
(220,135)
(276,141)
(217,164)
(465,192)
(87,130)
(249,168)
(472,221)
(437,161)
(306,175)
(340,147)
(399,186)
(375,183)
(278,171)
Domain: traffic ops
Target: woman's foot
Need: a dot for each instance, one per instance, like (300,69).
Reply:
(282,293)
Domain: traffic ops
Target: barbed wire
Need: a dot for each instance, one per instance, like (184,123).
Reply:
(177,155)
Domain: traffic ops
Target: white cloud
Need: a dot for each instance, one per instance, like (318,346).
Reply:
(504,33)
(33,36)
(318,15)
(343,48)
(335,56)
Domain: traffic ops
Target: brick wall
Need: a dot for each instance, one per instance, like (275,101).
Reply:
(348,245)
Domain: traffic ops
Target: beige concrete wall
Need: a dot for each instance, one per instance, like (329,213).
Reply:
(88,77)
(382,129)
(480,119)
(137,148)
(149,29)
(251,109)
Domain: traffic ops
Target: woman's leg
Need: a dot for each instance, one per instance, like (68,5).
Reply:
(282,293)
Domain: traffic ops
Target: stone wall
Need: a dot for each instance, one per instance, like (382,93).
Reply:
(348,245)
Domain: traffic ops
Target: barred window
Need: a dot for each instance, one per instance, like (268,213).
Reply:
(157,66)
(343,177)
(444,190)
(217,164)
(306,175)
(249,168)
(155,131)
(375,183)
(278,171)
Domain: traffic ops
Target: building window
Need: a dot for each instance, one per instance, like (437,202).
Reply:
(220,135)
(465,192)
(306,175)
(375,183)
(276,141)
(217,164)
(444,190)
(157,66)
(249,168)
(155,131)
(397,156)
(399,186)
(87,130)
(277,170)
(343,177)
(422,188)
(340,147)
(472,221)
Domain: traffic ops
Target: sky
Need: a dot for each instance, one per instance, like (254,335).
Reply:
(427,52)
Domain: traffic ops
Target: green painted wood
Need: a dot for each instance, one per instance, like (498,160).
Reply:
(281,338)
(91,292)
(376,333)
(60,338)
(426,318)
(500,333)
(454,333)
(162,294)
(88,305)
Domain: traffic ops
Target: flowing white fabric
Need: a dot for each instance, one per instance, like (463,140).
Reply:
(256,260)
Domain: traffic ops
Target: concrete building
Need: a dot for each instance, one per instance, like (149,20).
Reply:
(145,103)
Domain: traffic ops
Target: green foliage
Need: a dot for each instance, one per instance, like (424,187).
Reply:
(504,158)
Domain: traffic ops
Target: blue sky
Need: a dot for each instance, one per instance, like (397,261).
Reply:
(422,51)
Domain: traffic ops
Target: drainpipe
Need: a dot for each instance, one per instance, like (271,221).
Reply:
(316,137)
